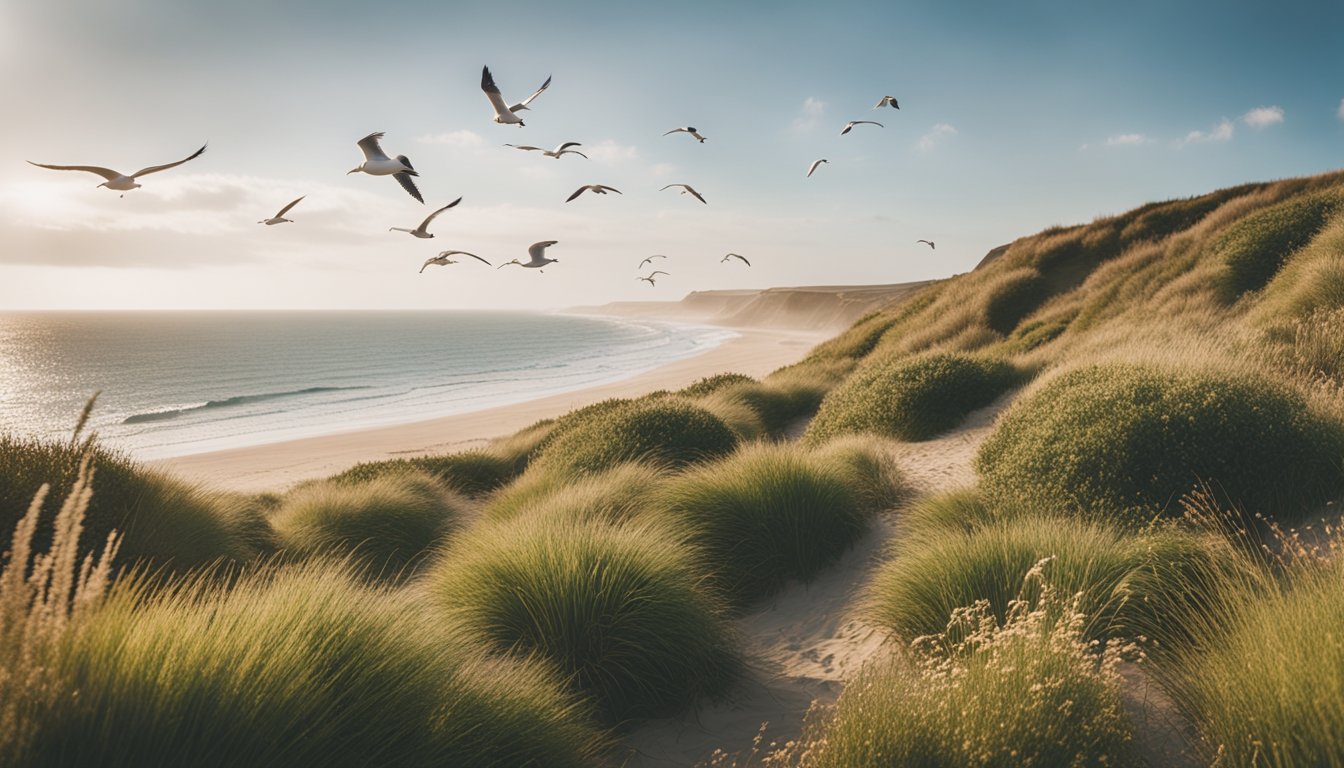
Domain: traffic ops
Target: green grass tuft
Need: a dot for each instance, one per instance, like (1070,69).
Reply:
(665,431)
(623,492)
(474,473)
(1255,247)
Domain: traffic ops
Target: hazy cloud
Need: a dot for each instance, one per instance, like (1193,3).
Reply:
(812,112)
(1221,133)
(1340,112)
(936,136)
(608,152)
(1128,140)
(1263,117)
(461,138)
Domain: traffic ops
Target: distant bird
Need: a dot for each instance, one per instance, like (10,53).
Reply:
(928,243)
(563,149)
(687,129)
(850,125)
(650,259)
(422,231)
(652,275)
(504,113)
(377,163)
(443,260)
(119,181)
(597,189)
(279,217)
(887,101)
(815,165)
(735,256)
(686,190)
(536,256)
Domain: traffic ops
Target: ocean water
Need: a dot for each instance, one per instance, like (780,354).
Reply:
(176,383)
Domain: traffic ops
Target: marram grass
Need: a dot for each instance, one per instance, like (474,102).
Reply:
(474,473)
(622,492)
(663,430)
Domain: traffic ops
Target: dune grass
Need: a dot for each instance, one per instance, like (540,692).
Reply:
(388,522)
(663,430)
(1030,691)
(1130,440)
(623,492)
(766,515)
(911,399)
(870,468)
(474,473)
(294,667)
(618,610)
(1254,248)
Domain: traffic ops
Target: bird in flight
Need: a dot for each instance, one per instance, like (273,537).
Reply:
(377,163)
(443,260)
(597,189)
(650,259)
(536,254)
(505,114)
(120,181)
(563,149)
(735,256)
(928,243)
(651,277)
(422,231)
(279,217)
(815,165)
(887,101)
(850,125)
(686,190)
(687,129)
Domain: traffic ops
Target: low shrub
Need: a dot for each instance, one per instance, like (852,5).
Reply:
(666,431)
(621,493)
(618,610)
(911,398)
(1254,247)
(1130,440)
(712,384)
(474,473)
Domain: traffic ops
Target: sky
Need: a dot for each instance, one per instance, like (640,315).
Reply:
(1014,117)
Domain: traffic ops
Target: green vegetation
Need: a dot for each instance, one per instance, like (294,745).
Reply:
(911,399)
(767,514)
(618,610)
(1131,440)
(388,522)
(620,493)
(474,473)
(1256,247)
(672,432)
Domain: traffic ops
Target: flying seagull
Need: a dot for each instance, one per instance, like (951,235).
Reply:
(443,260)
(563,149)
(650,277)
(850,125)
(597,189)
(686,190)
(887,101)
(815,165)
(687,129)
(735,256)
(377,163)
(928,243)
(536,256)
(504,113)
(422,231)
(279,217)
(650,259)
(119,181)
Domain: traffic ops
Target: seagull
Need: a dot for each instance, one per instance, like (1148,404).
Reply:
(422,231)
(687,129)
(377,163)
(597,189)
(504,114)
(536,256)
(735,256)
(650,259)
(686,190)
(443,260)
(815,165)
(850,125)
(279,217)
(650,278)
(887,101)
(563,149)
(928,243)
(119,181)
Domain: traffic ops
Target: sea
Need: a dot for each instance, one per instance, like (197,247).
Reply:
(178,383)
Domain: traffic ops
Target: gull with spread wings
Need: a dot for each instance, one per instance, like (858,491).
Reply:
(563,149)
(122,182)
(377,163)
(815,165)
(597,189)
(442,259)
(505,114)
(536,256)
(422,231)
(687,129)
(279,217)
(850,125)
(686,189)
(735,256)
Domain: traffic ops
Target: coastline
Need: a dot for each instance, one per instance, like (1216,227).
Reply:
(276,466)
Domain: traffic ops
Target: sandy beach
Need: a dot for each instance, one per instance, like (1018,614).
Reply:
(275,466)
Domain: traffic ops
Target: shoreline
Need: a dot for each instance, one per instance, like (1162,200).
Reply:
(276,466)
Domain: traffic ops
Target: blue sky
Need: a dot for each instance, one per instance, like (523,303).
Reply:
(1014,117)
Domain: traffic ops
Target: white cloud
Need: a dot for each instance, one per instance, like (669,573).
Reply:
(1128,140)
(461,138)
(1263,117)
(936,135)
(1340,113)
(1222,133)
(813,109)
(608,152)
(663,169)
